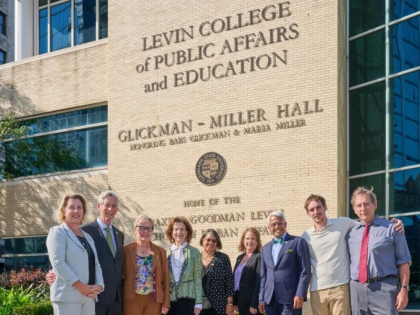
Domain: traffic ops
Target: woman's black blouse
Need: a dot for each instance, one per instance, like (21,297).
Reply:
(218,282)
(91,257)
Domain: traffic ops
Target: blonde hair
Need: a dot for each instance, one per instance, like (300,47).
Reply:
(143,217)
(59,213)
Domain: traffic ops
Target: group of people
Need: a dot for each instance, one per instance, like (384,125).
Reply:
(351,267)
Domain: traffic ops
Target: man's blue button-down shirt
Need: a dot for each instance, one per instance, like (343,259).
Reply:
(387,249)
(275,250)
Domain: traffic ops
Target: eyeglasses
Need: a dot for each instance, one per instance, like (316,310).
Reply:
(274,224)
(210,240)
(144,228)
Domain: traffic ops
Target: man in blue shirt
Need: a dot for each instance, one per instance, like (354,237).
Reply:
(378,256)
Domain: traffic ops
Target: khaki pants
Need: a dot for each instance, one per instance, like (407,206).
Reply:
(331,301)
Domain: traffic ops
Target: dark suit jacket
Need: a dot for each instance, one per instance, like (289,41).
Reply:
(290,275)
(111,267)
(249,286)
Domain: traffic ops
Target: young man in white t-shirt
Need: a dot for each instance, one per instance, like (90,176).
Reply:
(329,289)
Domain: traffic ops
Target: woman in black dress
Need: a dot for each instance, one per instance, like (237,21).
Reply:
(217,276)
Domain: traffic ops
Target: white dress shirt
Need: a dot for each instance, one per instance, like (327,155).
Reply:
(177,260)
(275,250)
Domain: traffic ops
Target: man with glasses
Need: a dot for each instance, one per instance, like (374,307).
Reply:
(109,242)
(285,270)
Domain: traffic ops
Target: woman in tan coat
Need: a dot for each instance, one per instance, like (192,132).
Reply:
(146,273)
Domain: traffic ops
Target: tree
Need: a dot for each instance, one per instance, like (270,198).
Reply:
(10,127)
(27,156)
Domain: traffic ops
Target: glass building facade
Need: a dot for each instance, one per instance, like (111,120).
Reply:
(62,142)
(2,57)
(384,114)
(67,23)
(66,141)
(2,23)
(26,252)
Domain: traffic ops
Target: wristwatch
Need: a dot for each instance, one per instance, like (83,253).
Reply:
(407,287)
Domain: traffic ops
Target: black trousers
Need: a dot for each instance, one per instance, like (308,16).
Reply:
(182,307)
(109,309)
(244,310)
(208,311)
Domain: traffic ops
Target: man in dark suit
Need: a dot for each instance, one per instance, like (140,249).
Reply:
(285,270)
(109,243)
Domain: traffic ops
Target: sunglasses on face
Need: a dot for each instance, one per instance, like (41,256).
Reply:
(210,240)
(144,228)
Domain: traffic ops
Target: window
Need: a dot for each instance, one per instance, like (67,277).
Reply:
(62,142)
(405,114)
(25,246)
(405,45)
(2,23)
(367,129)
(2,57)
(26,252)
(384,114)
(367,58)
(365,15)
(67,23)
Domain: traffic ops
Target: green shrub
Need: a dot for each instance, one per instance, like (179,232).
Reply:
(13,298)
(41,292)
(41,308)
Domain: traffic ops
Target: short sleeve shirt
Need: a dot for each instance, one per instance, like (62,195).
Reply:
(329,253)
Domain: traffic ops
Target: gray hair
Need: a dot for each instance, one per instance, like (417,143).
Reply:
(143,217)
(278,214)
(363,191)
(108,193)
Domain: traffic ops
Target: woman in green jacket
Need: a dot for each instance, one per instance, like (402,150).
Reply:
(184,269)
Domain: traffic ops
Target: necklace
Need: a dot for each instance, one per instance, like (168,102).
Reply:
(209,257)
(143,249)
(174,259)
(83,241)
(207,260)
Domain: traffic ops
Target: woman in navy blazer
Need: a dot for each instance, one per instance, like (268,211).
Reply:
(73,257)
(247,273)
